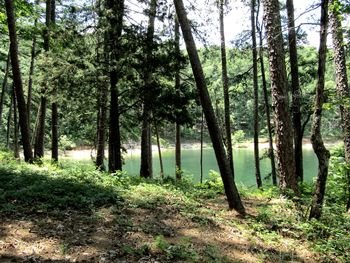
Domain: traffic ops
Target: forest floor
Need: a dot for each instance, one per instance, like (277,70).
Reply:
(77,214)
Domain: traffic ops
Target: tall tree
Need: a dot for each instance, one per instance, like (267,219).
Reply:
(17,79)
(231,191)
(298,134)
(316,137)
(15,126)
(4,86)
(146,145)
(279,91)
(40,130)
(224,78)
(256,96)
(115,18)
(341,80)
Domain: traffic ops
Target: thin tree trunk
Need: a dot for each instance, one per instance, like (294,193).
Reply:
(256,97)
(8,126)
(267,106)
(231,191)
(101,132)
(316,136)
(280,101)
(201,156)
(116,27)
(159,154)
(343,91)
(15,127)
(17,79)
(4,86)
(146,145)
(296,94)
(225,88)
(40,133)
(177,88)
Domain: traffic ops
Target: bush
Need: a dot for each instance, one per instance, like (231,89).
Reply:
(238,136)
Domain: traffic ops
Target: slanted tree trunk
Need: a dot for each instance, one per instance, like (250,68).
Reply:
(316,137)
(298,135)
(146,145)
(17,79)
(15,127)
(177,88)
(256,97)
(231,191)
(4,86)
(343,91)
(224,78)
(279,90)
(115,19)
(159,154)
(40,132)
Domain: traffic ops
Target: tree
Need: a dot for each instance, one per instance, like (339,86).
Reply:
(342,86)
(279,91)
(295,87)
(224,78)
(231,191)
(256,96)
(146,145)
(115,19)
(4,86)
(316,136)
(17,79)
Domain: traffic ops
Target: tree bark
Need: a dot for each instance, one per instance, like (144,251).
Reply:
(8,126)
(17,79)
(201,156)
(114,143)
(280,102)
(159,154)
(4,86)
(342,86)
(15,127)
(177,87)
(224,78)
(316,137)
(146,144)
(231,191)
(296,94)
(256,97)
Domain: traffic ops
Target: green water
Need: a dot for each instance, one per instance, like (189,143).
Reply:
(243,161)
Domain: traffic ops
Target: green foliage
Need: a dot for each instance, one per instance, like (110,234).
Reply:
(238,136)
(65,143)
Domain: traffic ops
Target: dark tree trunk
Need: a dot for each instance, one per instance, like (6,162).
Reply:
(146,145)
(201,156)
(8,126)
(298,135)
(316,136)
(101,132)
(159,154)
(30,80)
(343,91)
(225,88)
(15,126)
(40,132)
(256,98)
(279,90)
(231,191)
(177,87)
(4,86)
(114,143)
(17,79)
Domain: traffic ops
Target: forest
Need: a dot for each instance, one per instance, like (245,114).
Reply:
(174,131)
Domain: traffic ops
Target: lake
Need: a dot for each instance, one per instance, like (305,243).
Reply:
(243,162)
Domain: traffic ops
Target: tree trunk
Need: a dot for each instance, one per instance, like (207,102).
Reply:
(40,133)
(160,154)
(280,102)
(225,88)
(296,94)
(316,136)
(8,126)
(116,26)
(15,127)
(201,156)
(146,145)
(17,79)
(256,97)
(177,88)
(343,91)
(4,86)
(101,132)
(231,191)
